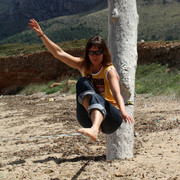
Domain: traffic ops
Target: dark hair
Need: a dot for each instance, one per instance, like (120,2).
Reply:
(101,44)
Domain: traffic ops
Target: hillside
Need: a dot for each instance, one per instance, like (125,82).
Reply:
(158,20)
(16,13)
(4,4)
(20,71)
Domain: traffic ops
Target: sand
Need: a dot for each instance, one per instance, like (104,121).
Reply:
(39,140)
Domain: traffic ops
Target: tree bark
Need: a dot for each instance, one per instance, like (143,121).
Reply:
(122,42)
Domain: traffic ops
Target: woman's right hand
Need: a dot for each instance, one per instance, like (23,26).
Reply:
(34,25)
(56,51)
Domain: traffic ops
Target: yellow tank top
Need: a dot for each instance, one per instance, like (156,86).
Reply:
(101,83)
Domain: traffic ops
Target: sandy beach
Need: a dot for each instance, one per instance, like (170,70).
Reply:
(39,141)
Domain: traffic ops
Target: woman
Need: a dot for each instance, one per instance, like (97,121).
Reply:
(100,106)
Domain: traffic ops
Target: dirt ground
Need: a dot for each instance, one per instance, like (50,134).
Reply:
(39,141)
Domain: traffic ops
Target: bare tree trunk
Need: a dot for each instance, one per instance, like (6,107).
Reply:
(122,23)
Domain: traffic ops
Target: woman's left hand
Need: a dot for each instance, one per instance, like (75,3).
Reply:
(127,118)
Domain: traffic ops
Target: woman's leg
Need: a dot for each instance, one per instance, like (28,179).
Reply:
(96,118)
(113,119)
(85,91)
(94,112)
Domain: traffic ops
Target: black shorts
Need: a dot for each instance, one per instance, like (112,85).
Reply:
(112,116)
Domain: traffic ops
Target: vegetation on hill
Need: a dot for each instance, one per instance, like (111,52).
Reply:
(21,49)
(66,28)
(3,6)
(16,13)
(157,79)
(158,20)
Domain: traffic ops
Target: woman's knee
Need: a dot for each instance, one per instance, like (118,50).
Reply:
(110,126)
(113,119)
(84,88)
(83,83)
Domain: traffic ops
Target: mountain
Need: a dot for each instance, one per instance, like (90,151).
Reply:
(14,14)
(159,19)
(67,20)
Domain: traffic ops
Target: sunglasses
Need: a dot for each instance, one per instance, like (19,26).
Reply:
(95,52)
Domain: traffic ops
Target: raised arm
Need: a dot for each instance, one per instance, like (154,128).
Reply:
(115,88)
(56,51)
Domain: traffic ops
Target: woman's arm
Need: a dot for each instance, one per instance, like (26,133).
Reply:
(115,88)
(56,51)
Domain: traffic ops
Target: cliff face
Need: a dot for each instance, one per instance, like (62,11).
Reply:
(42,67)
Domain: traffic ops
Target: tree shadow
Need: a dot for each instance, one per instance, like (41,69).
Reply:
(80,171)
(76,159)
(63,160)
(17,162)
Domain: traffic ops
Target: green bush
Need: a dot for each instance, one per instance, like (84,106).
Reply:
(157,79)
(63,87)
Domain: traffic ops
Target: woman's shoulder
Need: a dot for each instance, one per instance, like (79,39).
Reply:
(108,69)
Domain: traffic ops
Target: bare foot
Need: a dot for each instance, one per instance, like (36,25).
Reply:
(92,133)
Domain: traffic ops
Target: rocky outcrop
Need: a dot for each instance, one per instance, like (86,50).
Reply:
(42,67)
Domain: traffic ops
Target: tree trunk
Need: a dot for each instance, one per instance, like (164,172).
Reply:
(122,24)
